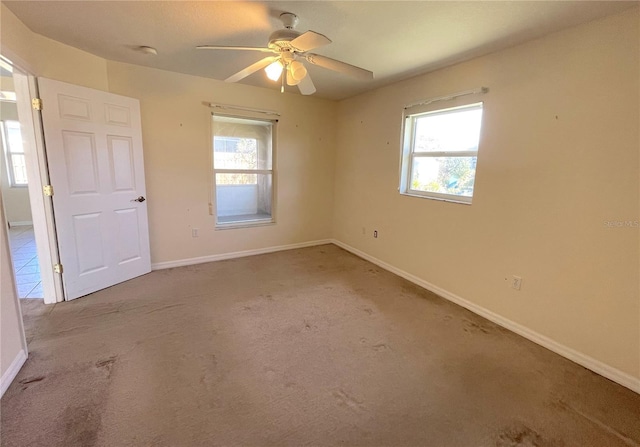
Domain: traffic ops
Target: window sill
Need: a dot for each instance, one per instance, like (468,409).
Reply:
(440,198)
(233,222)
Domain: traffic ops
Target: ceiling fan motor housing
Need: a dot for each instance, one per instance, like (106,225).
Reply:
(280,39)
(289,20)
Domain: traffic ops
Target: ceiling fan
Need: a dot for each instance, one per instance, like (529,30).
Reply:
(289,48)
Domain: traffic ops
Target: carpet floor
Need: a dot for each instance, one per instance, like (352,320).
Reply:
(303,347)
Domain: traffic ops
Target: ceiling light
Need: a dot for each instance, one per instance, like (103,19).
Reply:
(291,80)
(298,72)
(274,70)
(148,50)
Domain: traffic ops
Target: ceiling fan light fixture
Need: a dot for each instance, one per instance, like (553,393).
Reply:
(291,80)
(298,70)
(274,70)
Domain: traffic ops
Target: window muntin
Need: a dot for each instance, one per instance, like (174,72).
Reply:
(242,171)
(14,153)
(440,153)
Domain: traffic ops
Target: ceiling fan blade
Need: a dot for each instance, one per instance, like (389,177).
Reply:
(222,47)
(251,69)
(306,86)
(309,41)
(341,67)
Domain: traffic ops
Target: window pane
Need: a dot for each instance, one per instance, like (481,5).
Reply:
(19,169)
(235,153)
(240,143)
(14,137)
(444,175)
(450,130)
(243,197)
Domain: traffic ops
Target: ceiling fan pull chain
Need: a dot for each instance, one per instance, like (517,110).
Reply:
(284,75)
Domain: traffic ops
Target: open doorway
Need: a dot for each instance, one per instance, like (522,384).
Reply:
(28,211)
(14,187)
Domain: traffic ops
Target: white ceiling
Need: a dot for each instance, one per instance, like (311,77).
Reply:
(394,39)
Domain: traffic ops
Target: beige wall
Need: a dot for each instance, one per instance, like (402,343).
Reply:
(8,110)
(11,333)
(16,200)
(558,158)
(176,133)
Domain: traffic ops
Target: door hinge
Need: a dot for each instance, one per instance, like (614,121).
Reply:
(36,103)
(48,190)
(57,268)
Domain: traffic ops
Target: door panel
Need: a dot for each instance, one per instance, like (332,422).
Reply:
(94,147)
(117,115)
(74,108)
(81,164)
(121,161)
(90,253)
(128,248)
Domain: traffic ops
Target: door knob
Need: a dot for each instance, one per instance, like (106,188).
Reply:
(139,199)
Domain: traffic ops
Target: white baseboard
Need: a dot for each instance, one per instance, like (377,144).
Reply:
(20,223)
(624,379)
(12,371)
(236,254)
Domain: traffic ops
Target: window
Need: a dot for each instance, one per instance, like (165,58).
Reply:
(14,151)
(243,170)
(440,151)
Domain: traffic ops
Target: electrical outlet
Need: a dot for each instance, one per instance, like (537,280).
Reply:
(516,282)
(375,234)
(195,232)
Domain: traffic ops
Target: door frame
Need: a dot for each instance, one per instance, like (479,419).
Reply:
(26,88)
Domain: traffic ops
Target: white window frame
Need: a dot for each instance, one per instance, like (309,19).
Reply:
(9,153)
(409,155)
(213,210)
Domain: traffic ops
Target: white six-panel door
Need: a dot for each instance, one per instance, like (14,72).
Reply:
(93,142)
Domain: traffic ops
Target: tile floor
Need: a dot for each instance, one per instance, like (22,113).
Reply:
(25,262)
